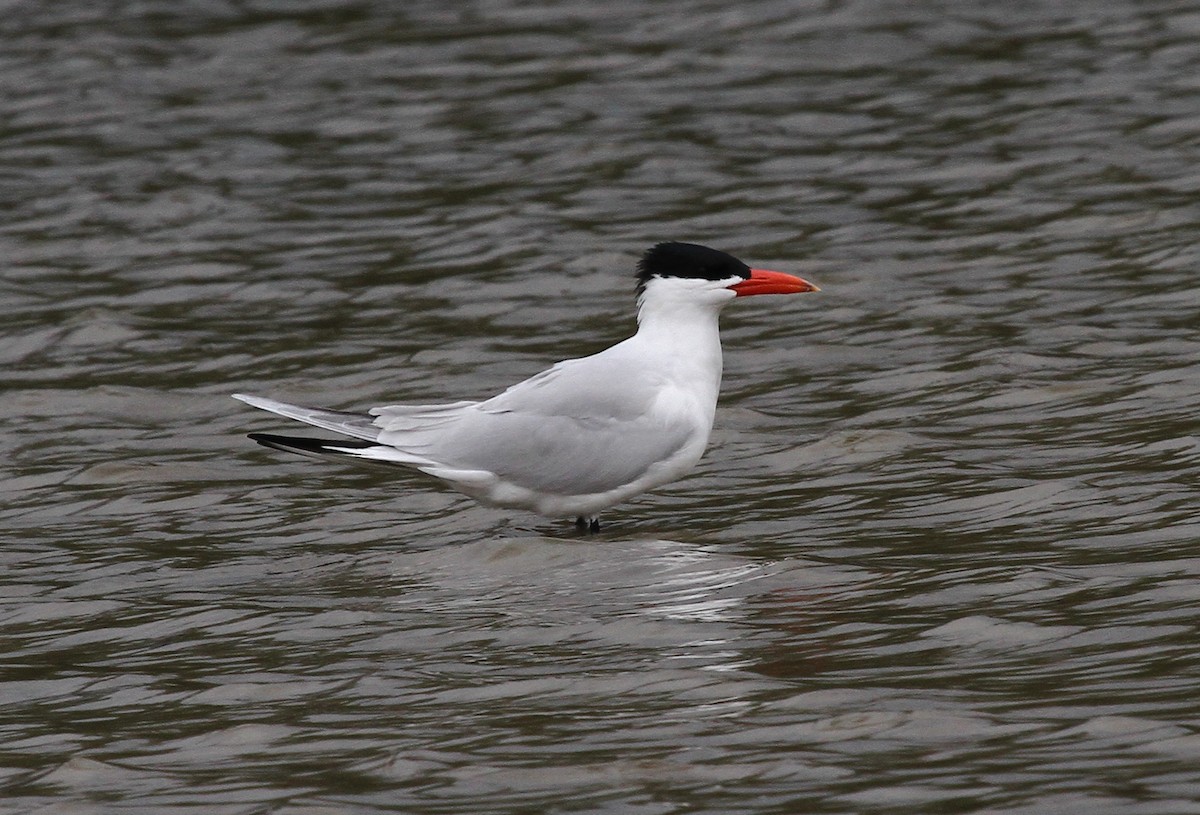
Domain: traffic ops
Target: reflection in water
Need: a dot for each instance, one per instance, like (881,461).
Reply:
(941,554)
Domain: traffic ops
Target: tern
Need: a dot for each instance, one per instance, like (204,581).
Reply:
(585,434)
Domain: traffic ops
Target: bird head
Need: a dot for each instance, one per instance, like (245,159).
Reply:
(709,274)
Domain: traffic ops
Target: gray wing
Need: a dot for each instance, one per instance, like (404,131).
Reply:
(584,426)
(606,386)
(558,455)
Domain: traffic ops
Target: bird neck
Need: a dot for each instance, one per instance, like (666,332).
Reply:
(685,336)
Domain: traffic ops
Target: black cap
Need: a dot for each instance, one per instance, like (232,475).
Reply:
(674,259)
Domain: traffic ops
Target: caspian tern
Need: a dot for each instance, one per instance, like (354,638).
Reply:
(587,433)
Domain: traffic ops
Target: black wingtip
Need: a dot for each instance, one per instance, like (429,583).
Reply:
(303,444)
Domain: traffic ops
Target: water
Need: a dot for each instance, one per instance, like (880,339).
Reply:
(942,555)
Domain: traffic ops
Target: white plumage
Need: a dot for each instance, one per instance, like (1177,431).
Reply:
(587,433)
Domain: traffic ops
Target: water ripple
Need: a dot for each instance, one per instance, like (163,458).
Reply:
(940,555)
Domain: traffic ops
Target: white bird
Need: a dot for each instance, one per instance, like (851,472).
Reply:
(587,433)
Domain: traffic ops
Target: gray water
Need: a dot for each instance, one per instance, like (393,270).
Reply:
(943,554)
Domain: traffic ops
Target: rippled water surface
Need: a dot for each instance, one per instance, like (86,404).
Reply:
(943,554)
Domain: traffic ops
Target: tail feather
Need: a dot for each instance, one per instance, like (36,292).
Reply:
(391,435)
(352,424)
